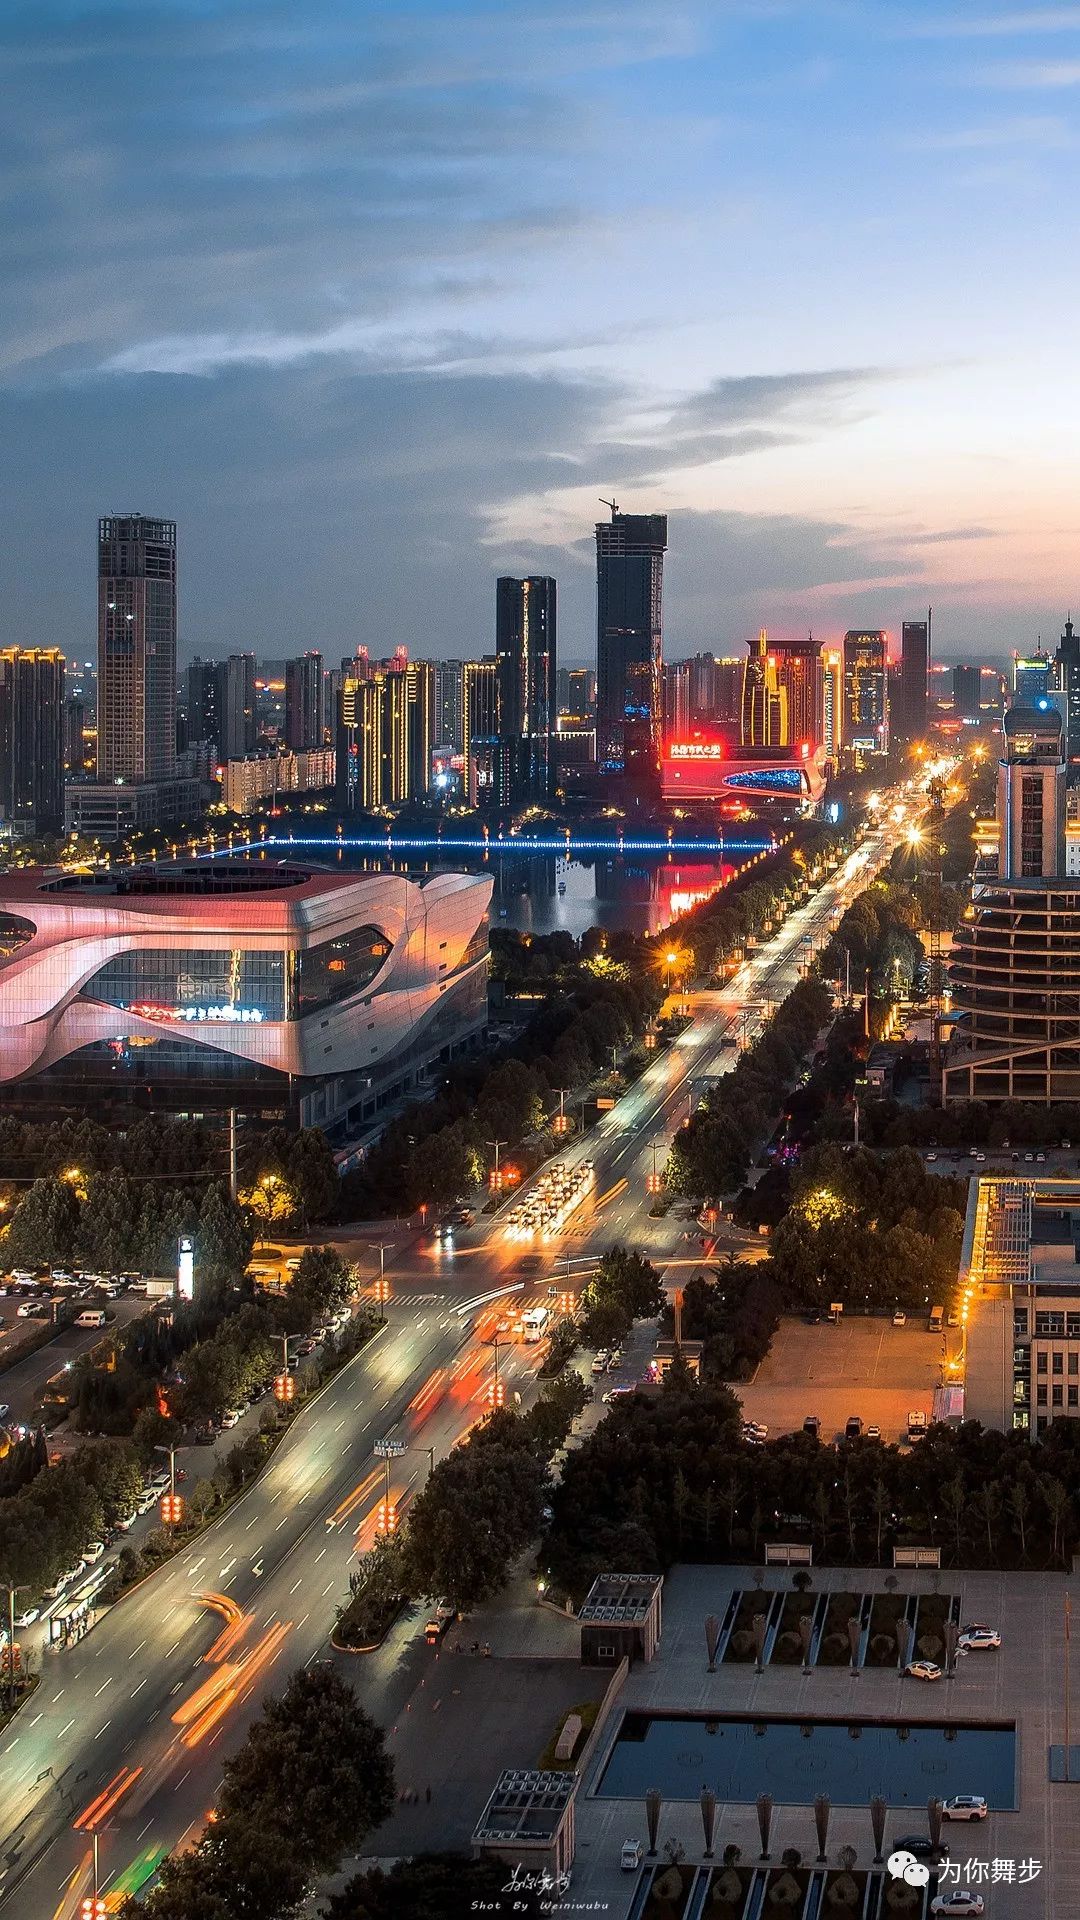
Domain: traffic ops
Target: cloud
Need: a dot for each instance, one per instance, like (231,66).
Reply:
(1044,132)
(1047,75)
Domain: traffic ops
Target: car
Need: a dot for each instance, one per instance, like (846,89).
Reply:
(292,1263)
(27,1617)
(965,1806)
(93,1553)
(953,1319)
(921,1845)
(305,1347)
(899,1318)
(812,1425)
(1029,1156)
(5,1412)
(230,1417)
(924,1670)
(976,1639)
(1040,1158)
(631,1856)
(930,1158)
(127,1520)
(34,1310)
(958,1900)
(615,1361)
(615,1393)
(853,1427)
(873,1432)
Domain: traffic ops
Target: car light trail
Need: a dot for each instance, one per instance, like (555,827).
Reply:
(98,1811)
(354,1499)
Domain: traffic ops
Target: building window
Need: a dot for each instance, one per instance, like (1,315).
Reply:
(1040,1396)
(1057,1364)
(1074,1363)
(1040,1363)
(1051,1325)
(1074,1396)
(1055,1397)
(1020,1322)
(193,984)
(337,968)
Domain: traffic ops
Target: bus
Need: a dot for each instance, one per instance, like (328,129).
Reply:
(534,1323)
(937,1315)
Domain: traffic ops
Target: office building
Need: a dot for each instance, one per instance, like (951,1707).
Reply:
(908,712)
(1020,1295)
(797,665)
(358,745)
(203,691)
(1015,961)
(32,740)
(967,693)
(136,699)
(629,643)
(764,717)
(303,702)
(238,729)
(525,652)
(1031,678)
(481,732)
(678,707)
(111,809)
(1031,795)
(448,704)
(577,694)
(78,734)
(420,726)
(292,996)
(865,715)
(832,702)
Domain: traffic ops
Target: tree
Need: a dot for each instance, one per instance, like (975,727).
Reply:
(313,1770)
(322,1282)
(444,1166)
(44,1226)
(239,1870)
(476,1513)
(430,1886)
(271,1201)
(222,1244)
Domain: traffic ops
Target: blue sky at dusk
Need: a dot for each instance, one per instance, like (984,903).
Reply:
(377,300)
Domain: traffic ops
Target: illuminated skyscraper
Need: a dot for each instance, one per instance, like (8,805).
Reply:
(832,701)
(908,714)
(1031,678)
(798,673)
(136,721)
(764,718)
(32,739)
(481,730)
(865,723)
(525,621)
(629,642)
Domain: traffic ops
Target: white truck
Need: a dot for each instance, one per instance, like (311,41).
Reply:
(534,1324)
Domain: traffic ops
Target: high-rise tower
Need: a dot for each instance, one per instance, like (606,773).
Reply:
(525,652)
(303,702)
(629,642)
(32,738)
(136,723)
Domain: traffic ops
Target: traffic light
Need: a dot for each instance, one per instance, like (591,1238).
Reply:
(172,1509)
(386,1523)
(496,1393)
(653,1182)
(93,1908)
(382,1291)
(284,1387)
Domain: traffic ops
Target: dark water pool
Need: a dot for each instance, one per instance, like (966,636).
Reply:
(739,1757)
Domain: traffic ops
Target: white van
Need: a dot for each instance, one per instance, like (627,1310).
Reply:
(90,1317)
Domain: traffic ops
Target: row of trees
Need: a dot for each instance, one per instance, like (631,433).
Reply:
(439,1149)
(46,1523)
(868,1229)
(712,1154)
(750,904)
(110,1223)
(734,1311)
(971,1124)
(311,1781)
(668,1478)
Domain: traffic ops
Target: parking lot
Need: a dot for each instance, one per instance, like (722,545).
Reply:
(863,1366)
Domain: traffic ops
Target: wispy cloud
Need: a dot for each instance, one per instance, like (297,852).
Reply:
(1043,132)
(994,26)
(1039,75)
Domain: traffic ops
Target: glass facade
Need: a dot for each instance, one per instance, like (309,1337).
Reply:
(14,933)
(233,984)
(239,984)
(337,968)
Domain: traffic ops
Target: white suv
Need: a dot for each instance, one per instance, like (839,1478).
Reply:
(965,1806)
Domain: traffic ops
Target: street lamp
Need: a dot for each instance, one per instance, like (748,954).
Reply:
(11,1592)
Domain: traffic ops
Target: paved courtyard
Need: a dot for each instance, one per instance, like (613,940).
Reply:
(1021,1683)
(864,1365)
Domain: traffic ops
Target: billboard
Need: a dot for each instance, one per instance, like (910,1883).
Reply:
(185,1268)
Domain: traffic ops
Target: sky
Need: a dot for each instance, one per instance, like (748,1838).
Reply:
(377,300)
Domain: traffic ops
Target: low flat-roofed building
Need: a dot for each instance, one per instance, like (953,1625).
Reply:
(621,1618)
(529,1823)
(1020,1289)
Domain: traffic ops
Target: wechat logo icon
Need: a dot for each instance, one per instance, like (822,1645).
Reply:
(904,1866)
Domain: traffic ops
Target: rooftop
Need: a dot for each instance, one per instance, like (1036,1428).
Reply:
(620,1598)
(525,1804)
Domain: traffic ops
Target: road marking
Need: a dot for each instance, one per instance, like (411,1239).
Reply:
(181,1780)
(66,1729)
(329,1589)
(172,1649)
(102,1730)
(299,1583)
(135,1690)
(104,1684)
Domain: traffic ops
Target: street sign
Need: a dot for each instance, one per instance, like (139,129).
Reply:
(389,1449)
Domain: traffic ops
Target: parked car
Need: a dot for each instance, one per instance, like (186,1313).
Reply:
(976,1639)
(965,1806)
(127,1520)
(921,1845)
(853,1429)
(230,1417)
(959,1900)
(599,1365)
(630,1858)
(873,1432)
(93,1553)
(27,1617)
(924,1670)
(899,1318)
(812,1425)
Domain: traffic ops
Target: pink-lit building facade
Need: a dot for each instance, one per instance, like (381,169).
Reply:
(289,995)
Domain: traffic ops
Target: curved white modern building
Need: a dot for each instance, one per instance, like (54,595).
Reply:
(289,994)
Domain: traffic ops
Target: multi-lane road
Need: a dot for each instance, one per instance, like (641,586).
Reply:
(136,1719)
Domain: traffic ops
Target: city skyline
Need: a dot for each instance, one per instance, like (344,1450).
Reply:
(412,379)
